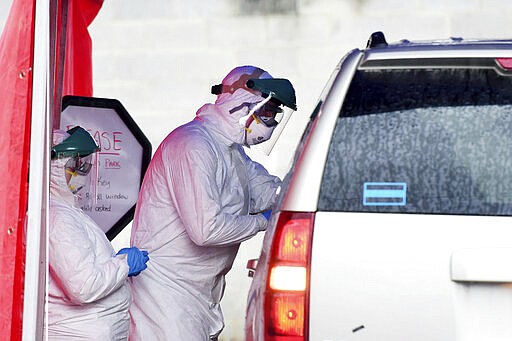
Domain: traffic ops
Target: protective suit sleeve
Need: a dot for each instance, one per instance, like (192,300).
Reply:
(263,186)
(84,267)
(196,195)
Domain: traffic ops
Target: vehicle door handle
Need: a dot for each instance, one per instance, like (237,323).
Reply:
(482,265)
(251,265)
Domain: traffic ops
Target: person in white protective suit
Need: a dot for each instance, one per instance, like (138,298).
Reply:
(88,293)
(200,198)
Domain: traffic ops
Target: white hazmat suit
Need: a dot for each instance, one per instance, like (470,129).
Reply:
(88,294)
(197,204)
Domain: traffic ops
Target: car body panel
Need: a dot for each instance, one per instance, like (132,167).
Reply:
(359,256)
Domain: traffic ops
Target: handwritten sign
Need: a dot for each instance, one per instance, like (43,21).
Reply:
(119,166)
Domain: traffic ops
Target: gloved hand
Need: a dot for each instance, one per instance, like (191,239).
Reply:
(267,214)
(137,260)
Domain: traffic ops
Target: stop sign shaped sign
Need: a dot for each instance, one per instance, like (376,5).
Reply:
(118,168)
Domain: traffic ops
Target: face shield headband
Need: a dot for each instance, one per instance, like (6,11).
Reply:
(80,142)
(241,83)
(279,90)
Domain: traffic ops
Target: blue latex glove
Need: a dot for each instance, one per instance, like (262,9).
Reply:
(267,214)
(137,260)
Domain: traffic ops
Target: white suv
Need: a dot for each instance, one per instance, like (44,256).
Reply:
(395,218)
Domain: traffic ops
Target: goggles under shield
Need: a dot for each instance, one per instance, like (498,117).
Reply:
(79,165)
(269,114)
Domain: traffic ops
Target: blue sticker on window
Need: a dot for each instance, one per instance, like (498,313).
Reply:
(384,194)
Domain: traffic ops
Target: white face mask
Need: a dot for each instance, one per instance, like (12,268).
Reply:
(257,132)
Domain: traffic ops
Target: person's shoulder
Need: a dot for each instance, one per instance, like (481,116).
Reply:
(58,205)
(188,137)
(63,217)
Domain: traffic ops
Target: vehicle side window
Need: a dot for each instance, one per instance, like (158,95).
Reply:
(408,141)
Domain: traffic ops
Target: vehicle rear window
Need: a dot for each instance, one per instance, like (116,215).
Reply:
(422,141)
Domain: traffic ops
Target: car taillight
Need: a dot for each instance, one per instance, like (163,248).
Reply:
(287,293)
(287,316)
(505,63)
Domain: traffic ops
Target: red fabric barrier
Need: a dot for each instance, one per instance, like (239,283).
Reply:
(78,63)
(16,61)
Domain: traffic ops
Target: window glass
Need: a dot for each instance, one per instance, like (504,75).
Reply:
(423,141)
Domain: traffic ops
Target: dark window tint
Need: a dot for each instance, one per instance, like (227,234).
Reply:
(423,141)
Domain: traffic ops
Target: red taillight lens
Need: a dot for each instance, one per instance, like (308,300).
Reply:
(287,316)
(287,296)
(505,63)
(293,242)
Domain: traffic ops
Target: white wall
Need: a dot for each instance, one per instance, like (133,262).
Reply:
(5,6)
(160,57)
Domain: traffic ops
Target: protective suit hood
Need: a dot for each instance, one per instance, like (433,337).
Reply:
(58,184)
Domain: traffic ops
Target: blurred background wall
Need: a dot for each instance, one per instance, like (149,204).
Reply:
(160,58)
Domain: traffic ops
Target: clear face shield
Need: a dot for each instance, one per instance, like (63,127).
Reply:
(80,148)
(268,118)
(265,123)
(80,180)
